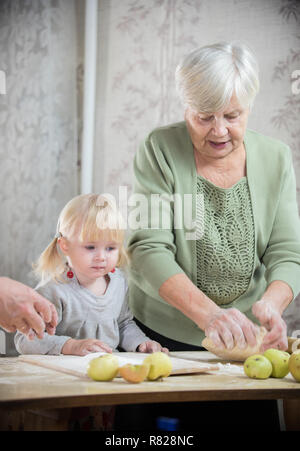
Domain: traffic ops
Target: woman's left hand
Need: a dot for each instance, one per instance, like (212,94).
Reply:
(271,319)
(151,346)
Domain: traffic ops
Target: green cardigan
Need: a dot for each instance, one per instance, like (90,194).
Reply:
(165,164)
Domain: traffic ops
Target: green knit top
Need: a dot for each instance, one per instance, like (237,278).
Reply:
(225,251)
(165,166)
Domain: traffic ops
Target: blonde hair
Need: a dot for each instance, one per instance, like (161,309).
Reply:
(207,77)
(91,217)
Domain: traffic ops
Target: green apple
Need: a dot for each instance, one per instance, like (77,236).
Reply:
(103,368)
(134,373)
(160,365)
(258,367)
(294,365)
(279,360)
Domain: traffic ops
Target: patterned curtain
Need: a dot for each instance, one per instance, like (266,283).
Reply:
(38,127)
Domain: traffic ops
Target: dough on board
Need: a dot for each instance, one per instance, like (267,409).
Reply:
(235,353)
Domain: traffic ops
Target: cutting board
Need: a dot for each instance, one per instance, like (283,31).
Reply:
(77,366)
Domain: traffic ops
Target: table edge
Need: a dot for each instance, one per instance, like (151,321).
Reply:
(144,398)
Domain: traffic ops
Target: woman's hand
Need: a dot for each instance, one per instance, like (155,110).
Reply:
(230,327)
(84,347)
(151,346)
(271,319)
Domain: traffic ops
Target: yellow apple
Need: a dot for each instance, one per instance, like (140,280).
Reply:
(279,361)
(294,365)
(103,368)
(134,373)
(258,367)
(160,365)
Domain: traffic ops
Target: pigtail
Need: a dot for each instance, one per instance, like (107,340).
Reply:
(50,264)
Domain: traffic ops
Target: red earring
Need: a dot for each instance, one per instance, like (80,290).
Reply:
(70,274)
(113,270)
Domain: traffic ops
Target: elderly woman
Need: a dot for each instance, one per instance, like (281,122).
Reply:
(243,265)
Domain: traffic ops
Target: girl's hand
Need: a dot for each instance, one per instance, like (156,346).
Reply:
(84,347)
(151,346)
(271,319)
(229,328)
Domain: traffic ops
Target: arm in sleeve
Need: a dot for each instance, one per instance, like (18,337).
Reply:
(49,344)
(282,256)
(153,250)
(131,336)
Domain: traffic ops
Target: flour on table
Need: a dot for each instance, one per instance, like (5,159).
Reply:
(228,368)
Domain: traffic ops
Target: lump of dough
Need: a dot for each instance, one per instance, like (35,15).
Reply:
(235,353)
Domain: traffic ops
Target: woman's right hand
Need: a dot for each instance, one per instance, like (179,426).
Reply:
(84,347)
(230,327)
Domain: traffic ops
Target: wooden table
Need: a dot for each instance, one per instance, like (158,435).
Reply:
(25,387)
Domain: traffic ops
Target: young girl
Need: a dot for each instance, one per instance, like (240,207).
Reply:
(81,275)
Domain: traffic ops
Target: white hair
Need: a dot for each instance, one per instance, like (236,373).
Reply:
(207,77)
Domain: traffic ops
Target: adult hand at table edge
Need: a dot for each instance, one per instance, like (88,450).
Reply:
(25,310)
